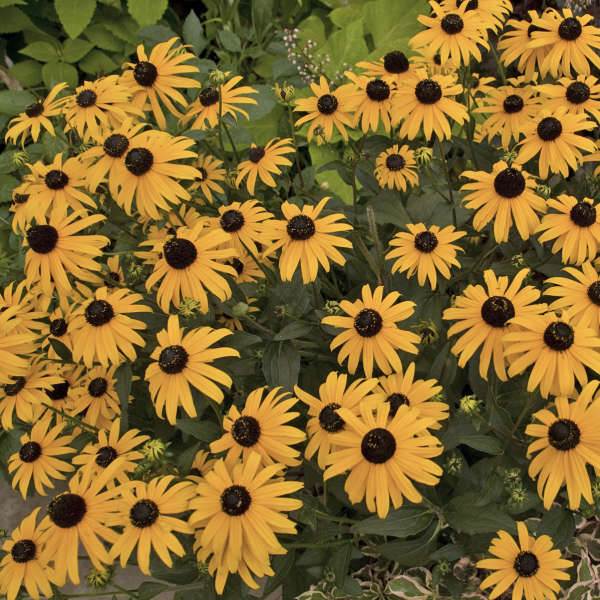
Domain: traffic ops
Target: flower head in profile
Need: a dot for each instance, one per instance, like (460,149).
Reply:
(576,95)
(210,176)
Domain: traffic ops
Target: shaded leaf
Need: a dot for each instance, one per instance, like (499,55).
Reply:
(147,12)
(405,521)
(293,331)
(75,15)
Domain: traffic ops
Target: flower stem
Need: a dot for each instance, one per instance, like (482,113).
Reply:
(447,173)
(294,142)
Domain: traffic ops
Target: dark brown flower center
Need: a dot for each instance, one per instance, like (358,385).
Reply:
(533,28)
(396,401)
(513,104)
(145,73)
(368,322)
(42,238)
(67,510)
(578,92)
(139,161)
(20,198)
(58,327)
(232,220)
(395,162)
(12,389)
(437,59)
(143,513)
(564,434)
(97,387)
(526,564)
(300,227)
(497,310)
(30,452)
(203,174)
(58,391)
(425,241)
(428,91)
(196,472)
(235,500)
(549,128)
(570,29)
(378,445)
(180,253)
(23,551)
(99,312)
(509,183)
(255,154)
(115,145)
(593,292)
(209,96)
(378,90)
(559,336)
(395,62)
(105,456)
(329,420)
(327,104)
(35,109)
(56,180)
(245,431)
(452,24)
(86,98)
(173,359)
(583,214)
(237,264)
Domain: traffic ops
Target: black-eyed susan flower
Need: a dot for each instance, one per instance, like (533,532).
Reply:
(532,566)
(81,514)
(392,68)
(567,441)
(490,14)
(36,459)
(425,102)
(324,421)
(425,251)
(26,562)
(63,396)
(453,32)
(370,331)
(555,348)
(210,175)
(510,109)
(506,196)
(307,239)
(580,295)
(484,316)
(576,95)
(371,101)
(264,162)
(246,267)
(146,512)
(190,266)
(261,427)
(402,388)
(204,110)
(19,208)
(238,510)
(184,360)
(26,392)
(98,106)
(103,331)
(326,109)
(21,301)
(97,456)
(55,249)
(556,137)
(156,79)
(201,465)
(571,41)
(36,116)
(149,176)
(574,227)
(384,456)
(395,167)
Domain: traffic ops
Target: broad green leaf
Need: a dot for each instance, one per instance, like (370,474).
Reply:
(149,589)
(262,12)
(465,514)
(97,62)
(483,443)
(155,34)
(75,15)
(61,350)
(205,431)
(282,565)
(103,38)
(345,47)
(411,553)
(313,29)
(265,102)
(74,50)
(345,15)
(123,377)
(388,208)
(405,521)
(293,331)
(57,72)
(331,182)
(559,524)
(12,102)
(13,20)
(7,164)
(125,29)
(28,72)
(339,562)
(193,32)
(229,40)
(147,12)
(281,365)
(42,51)
(409,588)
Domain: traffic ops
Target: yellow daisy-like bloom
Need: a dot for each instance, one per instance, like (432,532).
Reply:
(425,251)
(558,349)
(575,228)
(483,317)
(262,161)
(97,106)
(156,79)
(425,102)
(26,562)
(511,110)
(145,512)
(210,172)
(13,346)
(22,302)
(395,167)
(103,331)
(454,33)
(576,95)
(238,510)
(63,396)
(326,109)
(384,456)
(506,195)
(580,295)
(370,331)
(36,116)
(371,101)
(532,566)
(27,392)
(36,458)
(402,388)
(55,249)
(308,240)
(246,268)
(20,208)
(490,14)
(57,185)
(570,41)
(247,224)
(261,427)
(149,175)
(479,85)
(190,265)
(568,440)
(184,360)
(95,457)
(555,136)
(201,465)
(205,108)
(392,68)
(324,421)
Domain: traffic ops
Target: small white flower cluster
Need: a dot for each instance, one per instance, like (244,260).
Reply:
(302,55)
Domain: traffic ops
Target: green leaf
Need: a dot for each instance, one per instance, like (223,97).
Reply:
(281,365)
(340,562)
(193,32)
(75,50)
(75,15)
(7,164)
(405,521)
(387,208)
(149,589)
(147,12)
(293,331)
(229,40)
(345,47)
(61,350)
(205,431)
(411,553)
(42,51)
(184,569)
(262,12)
(4,3)
(409,588)
(28,72)
(103,38)
(559,524)
(467,514)
(483,443)
(266,102)
(57,72)
(97,62)
(155,34)
(344,15)
(123,377)
(13,20)
(12,102)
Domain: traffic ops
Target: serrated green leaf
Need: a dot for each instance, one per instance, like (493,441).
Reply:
(230,40)
(57,72)
(405,521)
(42,51)
(147,12)
(97,62)
(75,50)
(75,15)
(103,38)
(12,102)
(193,32)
